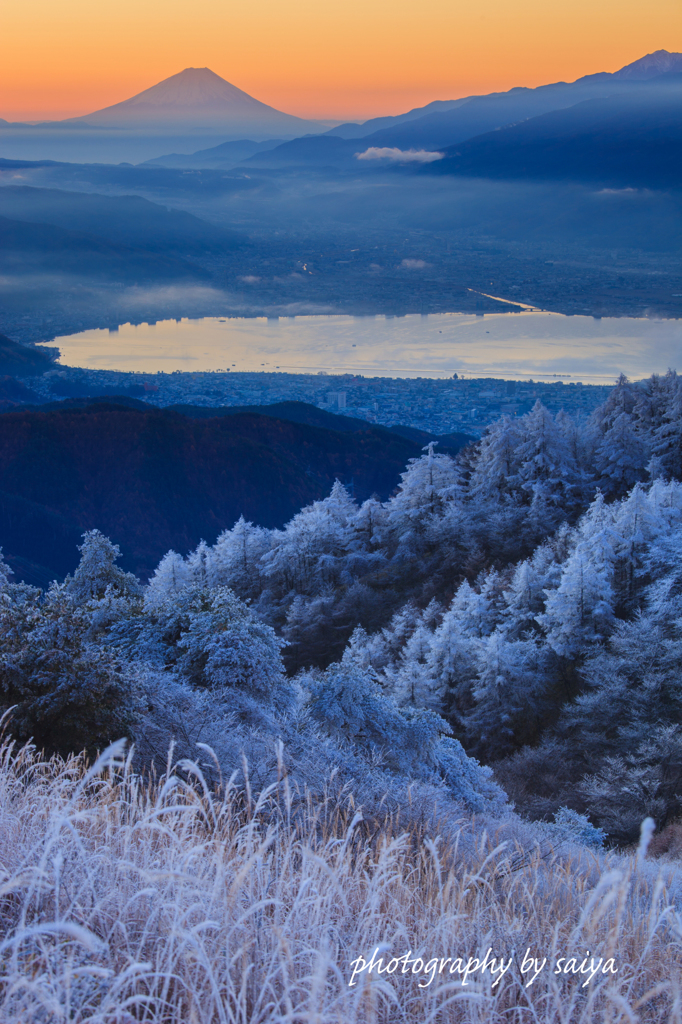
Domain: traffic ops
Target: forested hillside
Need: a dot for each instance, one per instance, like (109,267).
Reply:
(520,602)
(153,479)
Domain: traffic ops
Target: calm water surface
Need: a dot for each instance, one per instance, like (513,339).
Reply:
(510,345)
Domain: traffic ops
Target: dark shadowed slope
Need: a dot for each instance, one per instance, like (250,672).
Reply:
(302,412)
(28,249)
(633,141)
(23,360)
(128,220)
(153,479)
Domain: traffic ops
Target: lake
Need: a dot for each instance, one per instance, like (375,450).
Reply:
(509,345)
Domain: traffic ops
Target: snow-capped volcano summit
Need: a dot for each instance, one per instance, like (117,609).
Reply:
(197,98)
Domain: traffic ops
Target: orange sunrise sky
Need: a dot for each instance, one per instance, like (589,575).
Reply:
(316,58)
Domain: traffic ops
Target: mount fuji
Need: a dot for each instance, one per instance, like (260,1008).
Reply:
(197,99)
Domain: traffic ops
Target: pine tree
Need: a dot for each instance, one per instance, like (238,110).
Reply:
(525,598)
(667,436)
(452,662)
(170,577)
(311,553)
(225,646)
(622,451)
(67,692)
(477,611)
(510,695)
(235,559)
(198,563)
(97,572)
(637,522)
(579,612)
(5,573)
(409,683)
(496,464)
(427,487)
(467,780)
(545,465)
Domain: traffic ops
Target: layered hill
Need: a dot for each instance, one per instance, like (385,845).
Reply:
(156,479)
(652,65)
(123,220)
(439,124)
(452,123)
(632,141)
(21,361)
(28,249)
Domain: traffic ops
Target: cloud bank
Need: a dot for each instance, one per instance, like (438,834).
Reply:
(402,156)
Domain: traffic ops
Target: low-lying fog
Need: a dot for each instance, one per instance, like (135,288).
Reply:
(285,242)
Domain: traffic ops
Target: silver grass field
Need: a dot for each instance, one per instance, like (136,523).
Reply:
(124,900)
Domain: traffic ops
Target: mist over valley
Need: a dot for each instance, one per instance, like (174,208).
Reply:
(340,519)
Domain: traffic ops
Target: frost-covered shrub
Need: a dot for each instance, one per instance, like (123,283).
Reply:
(572,826)
(348,705)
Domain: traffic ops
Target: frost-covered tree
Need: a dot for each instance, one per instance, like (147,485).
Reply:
(5,573)
(170,577)
(580,610)
(370,525)
(97,572)
(525,596)
(467,780)
(477,610)
(197,565)
(496,466)
(667,435)
(545,465)
(310,553)
(510,695)
(452,663)
(630,686)
(622,449)
(226,646)
(409,682)
(67,692)
(235,559)
(643,782)
(426,488)
(347,703)
(637,521)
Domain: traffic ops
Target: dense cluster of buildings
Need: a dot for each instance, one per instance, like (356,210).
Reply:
(432,404)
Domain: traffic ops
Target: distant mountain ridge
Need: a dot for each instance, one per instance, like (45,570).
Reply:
(465,120)
(631,140)
(652,65)
(660,62)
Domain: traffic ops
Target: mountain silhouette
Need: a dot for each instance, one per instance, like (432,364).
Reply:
(450,122)
(197,98)
(629,140)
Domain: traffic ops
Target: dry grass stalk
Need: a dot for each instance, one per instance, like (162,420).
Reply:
(124,901)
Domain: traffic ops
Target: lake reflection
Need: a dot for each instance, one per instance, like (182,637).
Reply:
(510,345)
